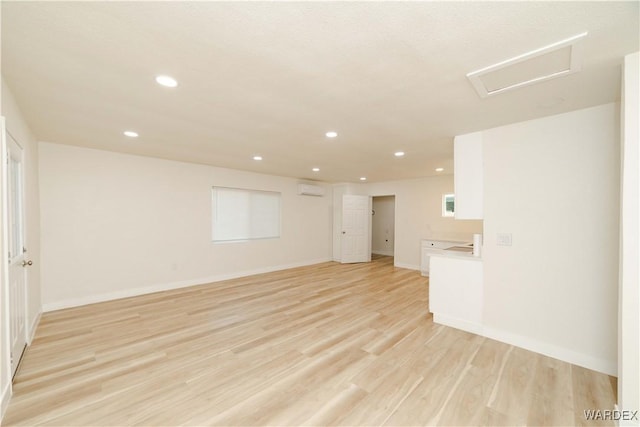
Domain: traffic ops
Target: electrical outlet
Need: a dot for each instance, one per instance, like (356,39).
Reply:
(504,239)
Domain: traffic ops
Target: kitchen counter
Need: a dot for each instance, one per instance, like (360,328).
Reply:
(454,254)
(441,247)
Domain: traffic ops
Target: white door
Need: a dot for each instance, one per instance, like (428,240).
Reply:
(356,229)
(17,258)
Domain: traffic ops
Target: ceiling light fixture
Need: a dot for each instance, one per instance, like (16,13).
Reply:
(399,153)
(131,134)
(257,157)
(167,81)
(316,169)
(363,178)
(439,169)
(331,134)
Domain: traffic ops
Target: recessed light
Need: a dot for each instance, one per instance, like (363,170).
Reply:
(131,134)
(316,169)
(331,134)
(257,157)
(439,169)
(167,81)
(363,178)
(399,153)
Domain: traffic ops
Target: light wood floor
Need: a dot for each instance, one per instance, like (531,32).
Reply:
(326,344)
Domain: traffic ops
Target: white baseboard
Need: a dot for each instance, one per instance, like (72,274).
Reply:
(126,293)
(601,365)
(385,253)
(32,330)
(4,403)
(465,325)
(407,266)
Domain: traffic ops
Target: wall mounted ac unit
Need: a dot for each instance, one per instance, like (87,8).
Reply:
(310,190)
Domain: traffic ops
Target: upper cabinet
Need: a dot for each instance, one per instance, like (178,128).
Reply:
(467,162)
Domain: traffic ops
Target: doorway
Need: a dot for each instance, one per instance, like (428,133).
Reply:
(383,225)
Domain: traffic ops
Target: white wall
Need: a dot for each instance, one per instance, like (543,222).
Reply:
(115,225)
(18,128)
(418,215)
(629,300)
(553,183)
(383,224)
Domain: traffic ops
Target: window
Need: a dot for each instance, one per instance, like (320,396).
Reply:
(240,214)
(448,204)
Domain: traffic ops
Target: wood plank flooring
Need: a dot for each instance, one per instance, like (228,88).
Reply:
(327,344)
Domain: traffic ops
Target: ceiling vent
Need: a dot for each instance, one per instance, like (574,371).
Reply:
(555,60)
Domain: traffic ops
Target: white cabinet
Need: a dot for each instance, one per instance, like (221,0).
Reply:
(456,292)
(468,180)
(425,253)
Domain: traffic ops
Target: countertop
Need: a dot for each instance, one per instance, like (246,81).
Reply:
(458,255)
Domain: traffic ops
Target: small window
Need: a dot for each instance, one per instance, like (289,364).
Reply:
(240,214)
(448,205)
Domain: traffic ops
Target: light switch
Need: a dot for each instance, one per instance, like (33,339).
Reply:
(504,239)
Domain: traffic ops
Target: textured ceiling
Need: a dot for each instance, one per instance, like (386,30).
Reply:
(270,78)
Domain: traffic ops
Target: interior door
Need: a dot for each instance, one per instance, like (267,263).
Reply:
(17,259)
(356,229)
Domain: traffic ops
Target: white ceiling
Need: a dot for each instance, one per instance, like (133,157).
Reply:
(271,78)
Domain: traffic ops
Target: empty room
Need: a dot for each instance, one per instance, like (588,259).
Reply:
(319,213)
